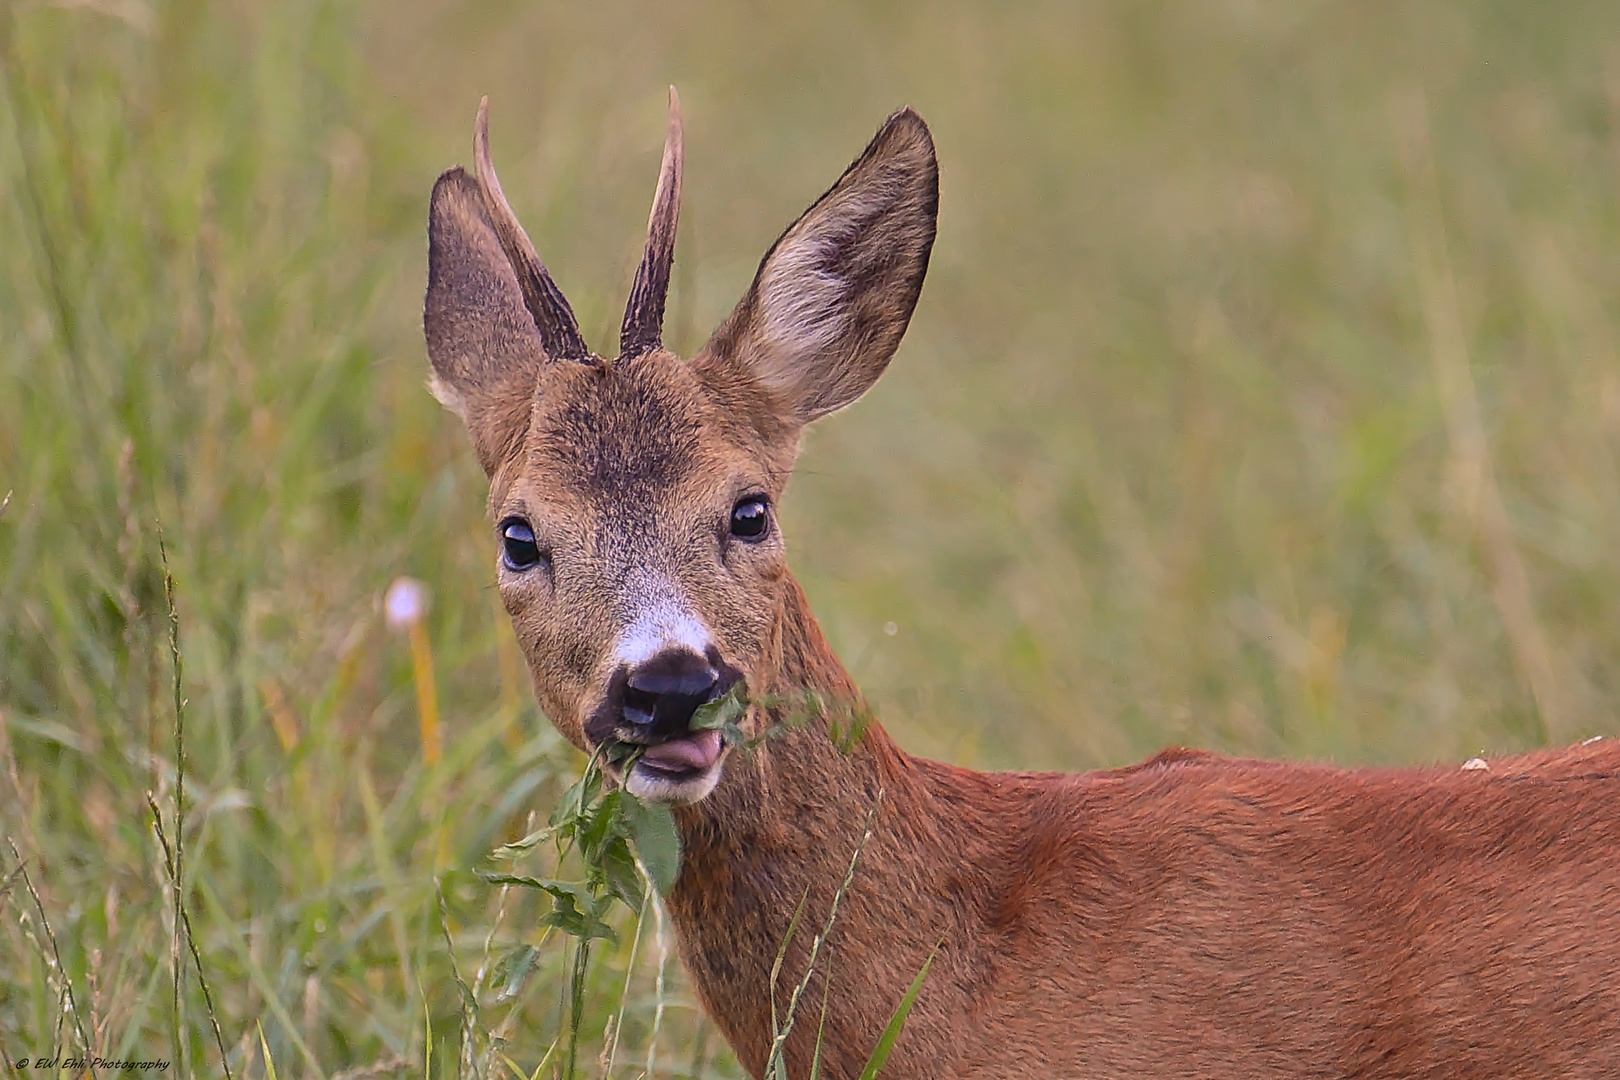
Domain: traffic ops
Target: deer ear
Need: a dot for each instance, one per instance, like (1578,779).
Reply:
(833,296)
(486,352)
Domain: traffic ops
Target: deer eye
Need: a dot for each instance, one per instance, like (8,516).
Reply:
(750,518)
(518,548)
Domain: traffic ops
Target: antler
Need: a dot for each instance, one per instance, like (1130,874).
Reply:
(559,330)
(644,313)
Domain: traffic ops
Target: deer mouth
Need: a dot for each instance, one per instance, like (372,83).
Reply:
(650,723)
(683,769)
(684,757)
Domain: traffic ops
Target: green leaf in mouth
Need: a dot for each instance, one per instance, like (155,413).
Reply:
(723,711)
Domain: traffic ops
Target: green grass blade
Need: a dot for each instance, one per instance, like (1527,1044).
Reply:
(780,1036)
(821,1025)
(772,1066)
(256,974)
(886,1041)
(264,1048)
(576,1002)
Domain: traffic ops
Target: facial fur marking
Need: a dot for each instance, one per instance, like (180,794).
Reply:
(661,621)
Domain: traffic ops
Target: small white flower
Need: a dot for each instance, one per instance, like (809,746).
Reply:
(405,603)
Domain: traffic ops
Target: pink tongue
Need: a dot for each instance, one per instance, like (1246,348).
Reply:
(693,752)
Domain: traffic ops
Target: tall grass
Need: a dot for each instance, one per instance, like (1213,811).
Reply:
(201,219)
(1264,396)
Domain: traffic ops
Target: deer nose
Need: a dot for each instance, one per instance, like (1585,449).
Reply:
(663,693)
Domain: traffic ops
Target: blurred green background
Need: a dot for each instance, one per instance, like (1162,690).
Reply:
(1264,396)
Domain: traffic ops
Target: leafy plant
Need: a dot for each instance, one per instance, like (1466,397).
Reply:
(613,832)
(621,839)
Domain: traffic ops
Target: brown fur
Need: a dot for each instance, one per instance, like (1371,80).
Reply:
(1192,916)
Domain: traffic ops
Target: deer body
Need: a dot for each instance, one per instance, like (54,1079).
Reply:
(1193,916)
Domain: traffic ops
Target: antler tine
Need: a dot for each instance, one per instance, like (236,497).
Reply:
(559,330)
(644,313)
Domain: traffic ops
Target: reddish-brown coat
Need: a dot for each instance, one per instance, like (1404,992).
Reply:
(1193,916)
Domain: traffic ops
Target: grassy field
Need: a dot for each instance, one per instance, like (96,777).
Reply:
(1265,396)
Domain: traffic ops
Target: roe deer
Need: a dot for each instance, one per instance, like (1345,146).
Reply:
(1192,916)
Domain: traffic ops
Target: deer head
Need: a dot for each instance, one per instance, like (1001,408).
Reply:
(637,546)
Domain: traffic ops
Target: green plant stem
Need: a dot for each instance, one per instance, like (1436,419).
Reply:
(774,1059)
(56,952)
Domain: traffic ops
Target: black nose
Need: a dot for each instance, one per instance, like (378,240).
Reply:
(663,693)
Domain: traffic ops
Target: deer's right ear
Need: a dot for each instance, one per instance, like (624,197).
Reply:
(833,296)
(486,351)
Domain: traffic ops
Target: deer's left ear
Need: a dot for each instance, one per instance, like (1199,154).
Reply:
(487,355)
(833,296)
(493,316)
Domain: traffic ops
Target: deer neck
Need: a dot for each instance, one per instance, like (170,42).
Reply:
(767,788)
(780,830)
